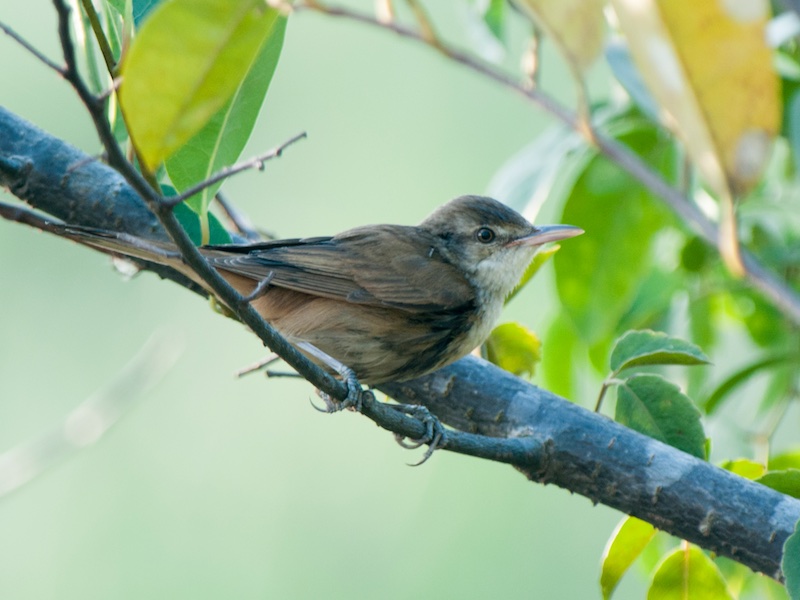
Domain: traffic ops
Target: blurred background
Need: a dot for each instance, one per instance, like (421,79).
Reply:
(212,486)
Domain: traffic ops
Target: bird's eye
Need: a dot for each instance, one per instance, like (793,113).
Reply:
(484,235)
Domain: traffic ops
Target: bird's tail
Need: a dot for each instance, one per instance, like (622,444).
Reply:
(114,243)
(123,245)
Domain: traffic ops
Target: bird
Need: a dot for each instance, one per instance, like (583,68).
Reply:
(389,303)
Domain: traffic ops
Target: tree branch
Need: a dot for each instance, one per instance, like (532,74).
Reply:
(508,420)
(256,162)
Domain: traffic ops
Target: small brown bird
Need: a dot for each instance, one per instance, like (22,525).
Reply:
(391,302)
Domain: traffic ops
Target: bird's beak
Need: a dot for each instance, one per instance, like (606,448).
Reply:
(541,234)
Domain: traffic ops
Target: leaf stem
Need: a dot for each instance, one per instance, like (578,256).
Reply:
(100,37)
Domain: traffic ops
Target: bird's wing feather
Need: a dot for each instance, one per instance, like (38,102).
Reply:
(385,265)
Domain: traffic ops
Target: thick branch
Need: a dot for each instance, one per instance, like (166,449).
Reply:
(596,457)
(551,440)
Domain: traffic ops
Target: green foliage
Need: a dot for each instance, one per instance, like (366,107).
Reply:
(739,377)
(190,221)
(649,403)
(621,222)
(558,363)
(791,563)
(647,348)
(515,348)
(652,405)
(785,460)
(623,548)
(185,64)
(688,573)
(494,18)
(786,481)
(141,8)
(538,261)
(221,140)
(743,467)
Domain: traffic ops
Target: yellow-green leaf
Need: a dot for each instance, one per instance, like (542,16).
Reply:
(623,548)
(744,467)
(184,65)
(785,460)
(710,69)
(221,140)
(514,348)
(786,481)
(687,574)
(576,26)
(541,257)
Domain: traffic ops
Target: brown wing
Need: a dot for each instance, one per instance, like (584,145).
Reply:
(384,265)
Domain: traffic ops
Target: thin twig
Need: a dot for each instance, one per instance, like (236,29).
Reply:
(25,44)
(256,162)
(239,221)
(545,101)
(264,362)
(94,106)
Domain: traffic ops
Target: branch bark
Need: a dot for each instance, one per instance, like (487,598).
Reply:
(498,416)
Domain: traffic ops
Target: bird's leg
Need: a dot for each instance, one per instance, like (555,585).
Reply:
(354,390)
(434,430)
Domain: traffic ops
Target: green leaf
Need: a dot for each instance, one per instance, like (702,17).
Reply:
(117,5)
(696,255)
(623,548)
(785,460)
(514,348)
(738,378)
(142,8)
(541,257)
(744,467)
(494,16)
(653,406)
(622,66)
(686,574)
(640,348)
(766,324)
(545,168)
(786,481)
(651,305)
(187,61)
(598,274)
(790,563)
(792,126)
(220,142)
(559,360)
(190,221)
(704,312)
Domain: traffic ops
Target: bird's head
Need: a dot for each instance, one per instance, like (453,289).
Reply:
(492,243)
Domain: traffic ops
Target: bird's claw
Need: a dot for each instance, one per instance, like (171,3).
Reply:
(354,400)
(434,431)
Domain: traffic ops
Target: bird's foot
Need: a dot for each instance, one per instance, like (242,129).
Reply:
(355,398)
(434,431)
